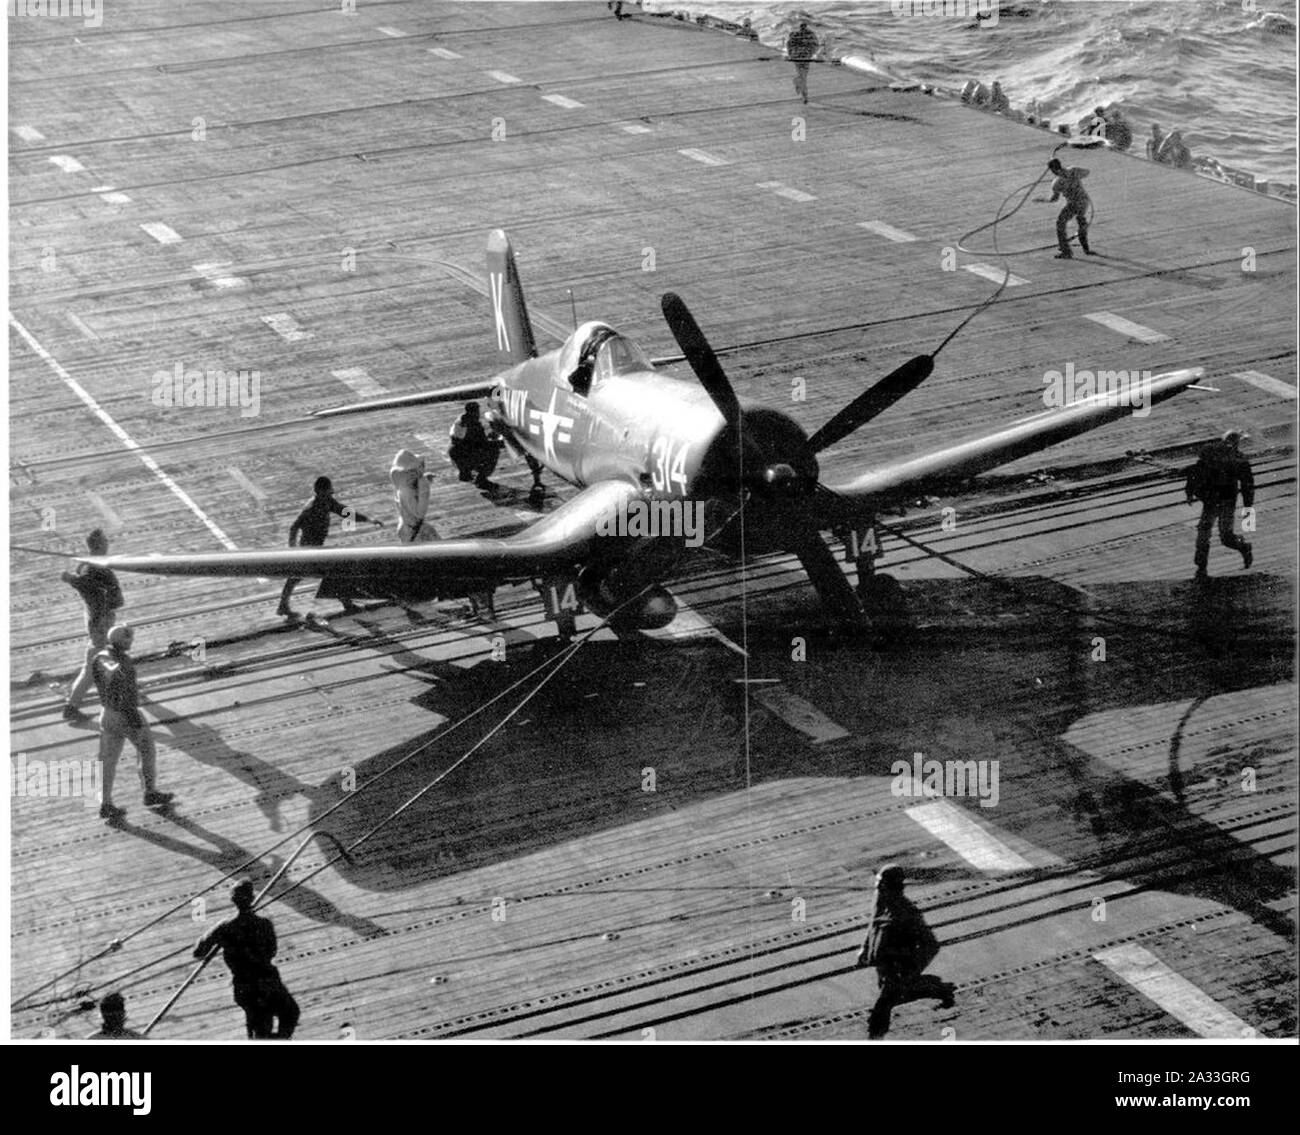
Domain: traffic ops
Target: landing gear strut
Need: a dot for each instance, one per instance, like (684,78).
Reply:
(881,596)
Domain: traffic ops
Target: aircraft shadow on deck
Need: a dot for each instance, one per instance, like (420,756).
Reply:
(572,763)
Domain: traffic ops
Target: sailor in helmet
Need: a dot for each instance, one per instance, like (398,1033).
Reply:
(411,493)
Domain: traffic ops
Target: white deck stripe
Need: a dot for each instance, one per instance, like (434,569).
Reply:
(502,77)
(636,128)
(1126,327)
(359,381)
(119,432)
(29,134)
(785,191)
(1266,382)
(113,196)
(443,53)
(989,272)
(214,272)
(284,325)
(244,483)
(799,714)
(689,623)
(703,156)
(391,31)
(564,101)
(67,164)
(949,823)
(163,234)
(887,231)
(81,326)
(1172,992)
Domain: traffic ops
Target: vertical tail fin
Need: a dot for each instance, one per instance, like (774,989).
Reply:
(514,333)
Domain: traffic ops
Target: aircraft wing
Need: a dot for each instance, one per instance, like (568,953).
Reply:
(554,543)
(939,471)
(462,393)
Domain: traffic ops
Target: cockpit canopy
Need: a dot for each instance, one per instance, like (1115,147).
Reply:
(594,352)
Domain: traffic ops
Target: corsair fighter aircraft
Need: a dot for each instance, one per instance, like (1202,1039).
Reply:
(598,414)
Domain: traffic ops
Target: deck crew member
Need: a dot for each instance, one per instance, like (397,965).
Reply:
(900,945)
(112,1013)
(474,449)
(1069,184)
(102,596)
(121,721)
(411,492)
(310,530)
(247,942)
(1155,141)
(800,48)
(1219,473)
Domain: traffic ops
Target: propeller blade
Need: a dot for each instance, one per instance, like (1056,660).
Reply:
(826,576)
(701,357)
(873,401)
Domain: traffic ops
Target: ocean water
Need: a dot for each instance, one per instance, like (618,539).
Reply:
(1222,71)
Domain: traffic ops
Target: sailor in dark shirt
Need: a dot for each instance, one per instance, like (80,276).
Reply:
(1069,184)
(112,1012)
(475,447)
(102,596)
(800,49)
(1216,478)
(121,721)
(247,942)
(310,530)
(900,945)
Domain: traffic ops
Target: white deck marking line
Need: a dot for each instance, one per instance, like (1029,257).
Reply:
(503,77)
(799,714)
(359,381)
(636,128)
(244,483)
(284,325)
(1172,992)
(163,234)
(1266,382)
(785,191)
(119,432)
(391,31)
(443,53)
(949,823)
(77,322)
(67,164)
(102,507)
(887,231)
(989,272)
(689,623)
(111,195)
(1126,327)
(29,134)
(213,273)
(703,156)
(564,101)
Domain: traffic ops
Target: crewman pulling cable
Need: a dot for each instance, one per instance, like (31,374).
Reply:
(1069,184)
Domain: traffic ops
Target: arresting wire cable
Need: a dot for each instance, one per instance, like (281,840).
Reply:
(555,663)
